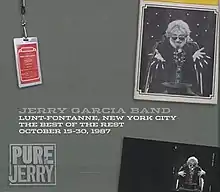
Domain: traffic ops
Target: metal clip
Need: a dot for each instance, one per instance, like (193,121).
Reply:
(25,34)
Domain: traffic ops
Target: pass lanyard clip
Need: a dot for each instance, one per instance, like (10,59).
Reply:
(27,55)
(23,20)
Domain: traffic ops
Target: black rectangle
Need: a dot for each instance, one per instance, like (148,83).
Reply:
(153,166)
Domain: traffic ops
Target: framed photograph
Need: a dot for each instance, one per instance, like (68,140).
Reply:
(177,53)
(155,166)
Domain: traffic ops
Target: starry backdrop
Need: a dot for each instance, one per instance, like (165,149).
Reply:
(202,26)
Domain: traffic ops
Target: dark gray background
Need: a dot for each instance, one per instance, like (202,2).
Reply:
(87,51)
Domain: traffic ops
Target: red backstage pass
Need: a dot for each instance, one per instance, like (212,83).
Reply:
(27,62)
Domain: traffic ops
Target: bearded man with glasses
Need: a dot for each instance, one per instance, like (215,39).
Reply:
(176,64)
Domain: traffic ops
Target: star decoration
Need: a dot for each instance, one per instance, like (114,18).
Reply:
(169,15)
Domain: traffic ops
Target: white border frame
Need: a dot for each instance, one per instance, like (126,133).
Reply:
(35,184)
(20,41)
(213,99)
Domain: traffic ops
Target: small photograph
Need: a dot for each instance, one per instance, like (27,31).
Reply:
(157,166)
(177,54)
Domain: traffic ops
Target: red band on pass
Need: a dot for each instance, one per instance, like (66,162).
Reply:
(28,63)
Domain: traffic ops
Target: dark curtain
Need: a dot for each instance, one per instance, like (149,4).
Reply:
(151,166)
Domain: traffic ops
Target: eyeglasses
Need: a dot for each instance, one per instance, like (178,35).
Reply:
(181,38)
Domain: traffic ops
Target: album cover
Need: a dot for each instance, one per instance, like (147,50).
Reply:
(155,166)
(177,53)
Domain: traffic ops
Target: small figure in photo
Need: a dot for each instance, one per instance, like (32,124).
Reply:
(190,176)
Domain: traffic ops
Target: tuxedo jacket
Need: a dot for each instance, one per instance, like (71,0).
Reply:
(160,72)
(195,177)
